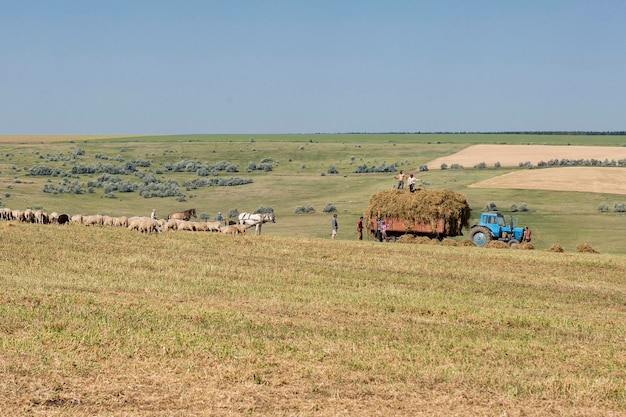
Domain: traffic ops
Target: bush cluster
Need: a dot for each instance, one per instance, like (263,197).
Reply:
(263,210)
(329,208)
(383,167)
(65,186)
(304,209)
(582,162)
(197,166)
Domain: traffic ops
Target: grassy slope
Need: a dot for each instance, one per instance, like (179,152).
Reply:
(555,217)
(103,321)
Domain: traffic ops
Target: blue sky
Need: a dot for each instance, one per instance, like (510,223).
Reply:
(315,66)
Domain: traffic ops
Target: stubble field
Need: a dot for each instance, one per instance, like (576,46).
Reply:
(107,321)
(587,179)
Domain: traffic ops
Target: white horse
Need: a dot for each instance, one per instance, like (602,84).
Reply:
(256,219)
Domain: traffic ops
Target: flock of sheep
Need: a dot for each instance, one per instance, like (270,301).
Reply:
(142,224)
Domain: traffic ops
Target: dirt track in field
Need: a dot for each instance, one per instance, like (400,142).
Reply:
(587,179)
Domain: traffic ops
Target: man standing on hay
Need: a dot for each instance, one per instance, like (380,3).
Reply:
(400,178)
(412,180)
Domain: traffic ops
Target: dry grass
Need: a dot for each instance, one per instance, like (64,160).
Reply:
(585,247)
(513,155)
(102,321)
(586,179)
(555,247)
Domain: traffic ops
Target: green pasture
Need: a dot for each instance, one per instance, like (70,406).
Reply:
(300,178)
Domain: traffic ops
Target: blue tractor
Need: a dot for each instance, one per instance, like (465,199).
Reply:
(493,226)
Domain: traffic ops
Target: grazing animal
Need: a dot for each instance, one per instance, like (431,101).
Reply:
(5,214)
(63,218)
(143,224)
(213,226)
(233,229)
(93,220)
(182,215)
(120,221)
(256,219)
(186,225)
(108,221)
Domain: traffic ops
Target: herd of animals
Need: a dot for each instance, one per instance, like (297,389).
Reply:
(174,221)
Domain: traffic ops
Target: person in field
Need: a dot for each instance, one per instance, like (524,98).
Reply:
(411,182)
(335,226)
(400,178)
(359,228)
(153,215)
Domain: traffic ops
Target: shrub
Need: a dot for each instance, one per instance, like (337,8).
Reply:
(383,167)
(233,213)
(263,210)
(423,168)
(480,165)
(619,207)
(513,208)
(304,210)
(332,169)
(603,207)
(523,207)
(491,206)
(329,208)
(497,165)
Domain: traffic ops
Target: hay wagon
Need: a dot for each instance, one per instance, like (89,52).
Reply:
(433,213)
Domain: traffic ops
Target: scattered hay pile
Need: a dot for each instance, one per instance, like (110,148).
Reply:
(423,206)
(526,246)
(497,244)
(467,242)
(448,242)
(585,248)
(555,248)
(407,239)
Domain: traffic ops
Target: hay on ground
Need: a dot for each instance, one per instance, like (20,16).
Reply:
(448,242)
(497,244)
(525,246)
(585,248)
(555,247)
(408,238)
(467,242)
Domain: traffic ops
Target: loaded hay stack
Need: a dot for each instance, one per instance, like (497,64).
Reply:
(434,213)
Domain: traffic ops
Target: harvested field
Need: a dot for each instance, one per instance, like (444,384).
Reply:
(586,179)
(512,155)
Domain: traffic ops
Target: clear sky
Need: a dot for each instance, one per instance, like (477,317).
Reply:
(315,66)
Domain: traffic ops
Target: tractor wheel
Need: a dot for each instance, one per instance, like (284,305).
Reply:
(480,235)
(513,243)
